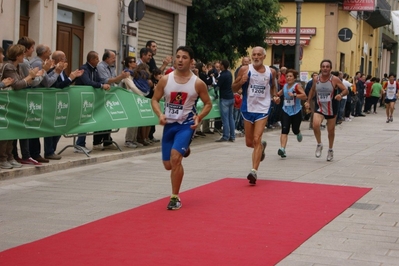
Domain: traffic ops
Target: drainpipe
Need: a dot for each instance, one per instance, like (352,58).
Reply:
(121,40)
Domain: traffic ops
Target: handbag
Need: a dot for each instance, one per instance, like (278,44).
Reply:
(8,88)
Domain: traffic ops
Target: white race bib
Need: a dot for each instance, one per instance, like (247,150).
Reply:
(257,91)
(390,94)
(173,111)
(289,102)
(324,97)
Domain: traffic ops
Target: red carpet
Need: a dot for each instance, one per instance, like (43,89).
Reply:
(226,222)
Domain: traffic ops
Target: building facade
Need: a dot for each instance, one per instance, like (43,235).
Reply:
(353,39)
(79,26)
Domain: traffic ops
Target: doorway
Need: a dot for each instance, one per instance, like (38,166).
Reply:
(283,56)
(70,36)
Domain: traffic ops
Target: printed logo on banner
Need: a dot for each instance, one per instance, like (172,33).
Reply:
(144,106)
(87,108)
(34,110)
(114,107)
(4,102)
(62,109)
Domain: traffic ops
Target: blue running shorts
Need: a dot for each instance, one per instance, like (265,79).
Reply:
(253,117)
(176,136)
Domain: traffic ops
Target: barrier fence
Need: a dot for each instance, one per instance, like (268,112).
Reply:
(45,112)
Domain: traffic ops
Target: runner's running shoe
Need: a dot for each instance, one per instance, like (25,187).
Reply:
(281,152)
(330,155)
(252,177)
(318,150)
(174,203)
(264,144)
(299,137)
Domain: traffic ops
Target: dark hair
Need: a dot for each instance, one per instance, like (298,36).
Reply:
(335,73)
(293,71)
(26,41)
(148,44)
(326,60)
(225,63)
(144,51)
(1,50)
(141,71)
(186,49)
(106,55)
(127,61)
(377,80)
(199,66)
(155,72)
(91,55)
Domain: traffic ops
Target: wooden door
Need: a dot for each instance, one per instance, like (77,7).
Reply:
(23,26)
(70,41)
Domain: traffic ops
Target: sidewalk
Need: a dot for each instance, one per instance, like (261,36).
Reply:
(71,159)
(365,155)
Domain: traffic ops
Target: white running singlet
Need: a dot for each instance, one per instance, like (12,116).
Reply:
(180,100)
(391,91)
(256,98)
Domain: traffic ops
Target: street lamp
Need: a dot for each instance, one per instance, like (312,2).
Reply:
(298,33)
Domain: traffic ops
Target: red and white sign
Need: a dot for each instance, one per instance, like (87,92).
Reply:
(292,31)
(291,41)
(358,5)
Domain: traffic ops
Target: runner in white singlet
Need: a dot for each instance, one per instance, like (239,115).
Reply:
(180,89)
(258,87)
(391,89)
(327,89)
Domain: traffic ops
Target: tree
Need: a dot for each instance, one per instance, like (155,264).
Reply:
(225,29)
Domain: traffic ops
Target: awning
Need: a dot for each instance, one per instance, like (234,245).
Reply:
(280,39)
(381,16)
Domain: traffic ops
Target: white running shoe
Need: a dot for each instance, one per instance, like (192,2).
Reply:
(330,155)
(319,148)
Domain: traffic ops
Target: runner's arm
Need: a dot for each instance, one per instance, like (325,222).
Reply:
(158,94)
(242,77)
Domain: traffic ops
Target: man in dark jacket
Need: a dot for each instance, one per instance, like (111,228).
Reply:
(90,77)
(226,102)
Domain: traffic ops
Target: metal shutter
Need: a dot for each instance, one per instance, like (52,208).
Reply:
(157,25)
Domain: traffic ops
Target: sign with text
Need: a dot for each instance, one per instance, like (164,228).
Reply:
(45,112)
(358,5)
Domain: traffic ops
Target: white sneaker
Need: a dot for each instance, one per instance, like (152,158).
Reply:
(330,155)
(130,144)
(15,164)
(319,148)
(138,144)
(5,165)
(81,149)
(347,119)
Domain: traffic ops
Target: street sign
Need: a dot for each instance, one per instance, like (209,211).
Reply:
(129,31)
(345,34)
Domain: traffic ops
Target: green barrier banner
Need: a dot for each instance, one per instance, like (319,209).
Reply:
(44,112)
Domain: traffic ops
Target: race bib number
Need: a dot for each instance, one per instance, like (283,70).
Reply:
(289,102)
(324,97)
(390,94)
(173,111)
(257,91)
